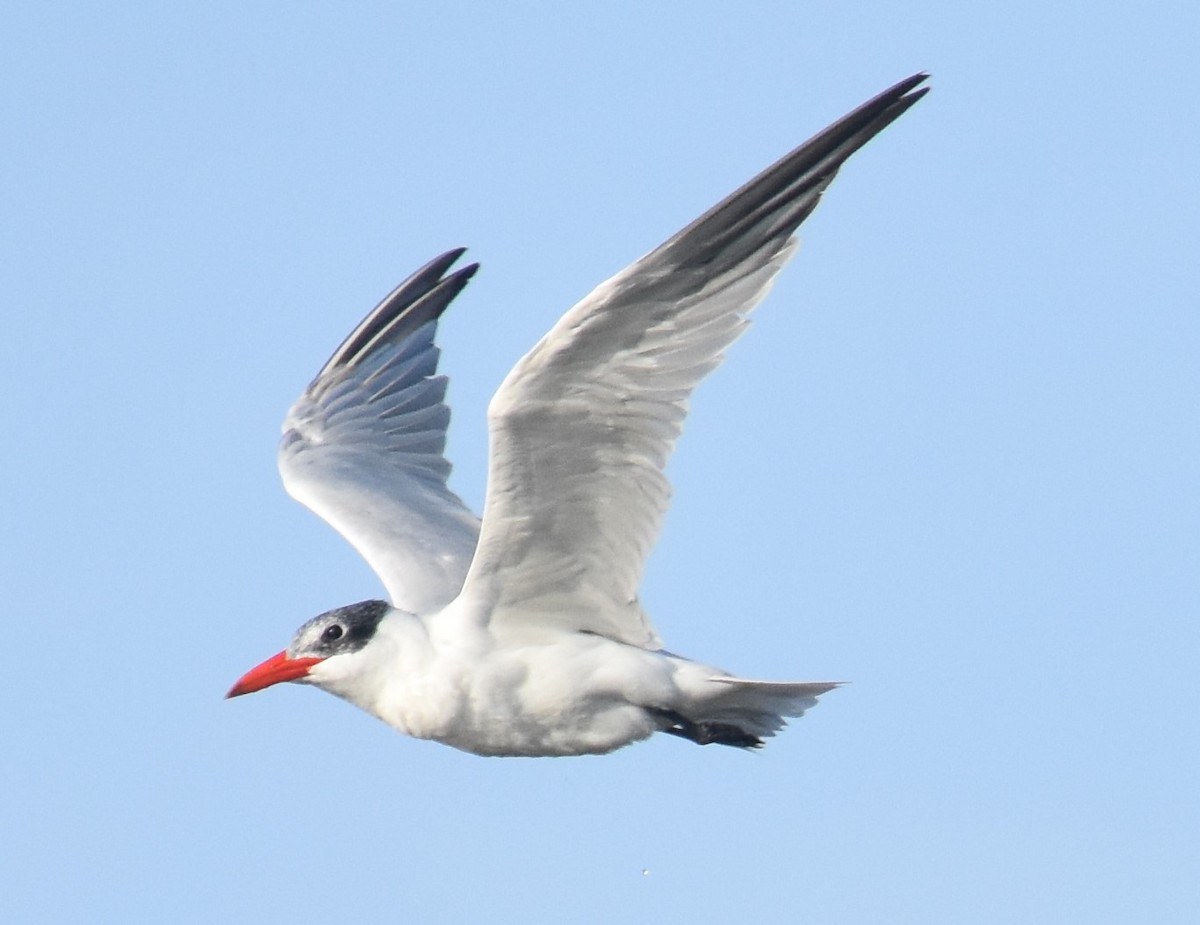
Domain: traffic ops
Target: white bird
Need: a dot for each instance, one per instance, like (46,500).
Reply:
(521,633)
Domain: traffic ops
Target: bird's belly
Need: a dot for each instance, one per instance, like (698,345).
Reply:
(587,696)
(596,731)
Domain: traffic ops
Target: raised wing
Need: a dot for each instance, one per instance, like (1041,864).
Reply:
(363,446)
(583,426)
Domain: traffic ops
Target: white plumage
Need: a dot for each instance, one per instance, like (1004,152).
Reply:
(522,634)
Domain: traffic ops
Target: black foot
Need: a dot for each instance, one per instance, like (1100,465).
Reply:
(706,733)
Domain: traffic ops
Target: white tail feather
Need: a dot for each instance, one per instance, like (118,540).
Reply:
(760,708)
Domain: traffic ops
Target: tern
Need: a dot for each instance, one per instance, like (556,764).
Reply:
(521,633)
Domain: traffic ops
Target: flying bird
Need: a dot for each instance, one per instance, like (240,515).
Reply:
(521,633)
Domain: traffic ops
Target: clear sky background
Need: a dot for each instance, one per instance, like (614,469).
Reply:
(954,461)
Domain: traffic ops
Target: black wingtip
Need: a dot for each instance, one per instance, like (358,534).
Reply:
(901,88)
(431,272)
(902,95)
(406,307)
(771,206)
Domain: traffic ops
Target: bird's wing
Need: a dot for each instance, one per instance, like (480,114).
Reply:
(583,425)
(363,446)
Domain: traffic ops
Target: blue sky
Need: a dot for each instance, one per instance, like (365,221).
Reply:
(954,461)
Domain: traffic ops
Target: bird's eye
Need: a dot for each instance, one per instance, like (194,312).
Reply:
(332,633)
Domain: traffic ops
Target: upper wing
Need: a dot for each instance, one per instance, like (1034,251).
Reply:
(362,447)
(583,425)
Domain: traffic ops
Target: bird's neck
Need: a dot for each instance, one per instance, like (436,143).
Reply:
(404,679)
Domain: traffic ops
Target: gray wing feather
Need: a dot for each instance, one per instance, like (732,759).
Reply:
(583,426)
(363,447)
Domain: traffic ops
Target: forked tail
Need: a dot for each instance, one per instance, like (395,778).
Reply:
(742,713)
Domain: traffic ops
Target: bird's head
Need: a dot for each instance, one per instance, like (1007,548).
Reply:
(319,652)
